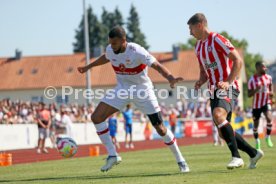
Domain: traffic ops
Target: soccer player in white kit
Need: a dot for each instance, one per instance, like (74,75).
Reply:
(130,62)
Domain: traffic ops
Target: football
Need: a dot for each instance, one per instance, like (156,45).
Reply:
(67,147)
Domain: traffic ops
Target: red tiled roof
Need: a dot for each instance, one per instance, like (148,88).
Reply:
(54,71)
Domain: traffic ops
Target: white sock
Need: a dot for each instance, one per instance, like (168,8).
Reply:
(267,136)
(103,133)
(170,140)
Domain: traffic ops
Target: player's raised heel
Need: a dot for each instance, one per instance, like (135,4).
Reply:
(183,167)
(235,163)
(269,142)
(253,161)
(110,162)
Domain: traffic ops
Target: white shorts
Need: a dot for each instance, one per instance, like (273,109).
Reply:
(148,104)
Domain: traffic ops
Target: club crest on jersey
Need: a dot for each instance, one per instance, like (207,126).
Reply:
(114,60)
(209,49)
(128,62)
(122,67)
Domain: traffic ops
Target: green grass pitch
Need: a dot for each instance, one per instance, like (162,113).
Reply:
(207,164)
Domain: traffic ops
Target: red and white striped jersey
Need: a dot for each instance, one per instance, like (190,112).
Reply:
(131,67)
(212,55)
(261,98)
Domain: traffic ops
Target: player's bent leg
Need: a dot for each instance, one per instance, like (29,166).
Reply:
(170,140)
(268,140)
(101,113)
(253,161)
(255,132)
(219,116)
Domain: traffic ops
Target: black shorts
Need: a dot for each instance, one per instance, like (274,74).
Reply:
(224,100)
(257,112)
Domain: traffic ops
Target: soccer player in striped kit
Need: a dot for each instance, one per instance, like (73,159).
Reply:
(130,62)
(220,65)
(260,86)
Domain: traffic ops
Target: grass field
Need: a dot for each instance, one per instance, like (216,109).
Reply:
(207,164)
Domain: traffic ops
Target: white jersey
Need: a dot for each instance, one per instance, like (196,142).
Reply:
(131,67)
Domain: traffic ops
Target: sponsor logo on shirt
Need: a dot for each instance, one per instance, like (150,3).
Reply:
(213,65)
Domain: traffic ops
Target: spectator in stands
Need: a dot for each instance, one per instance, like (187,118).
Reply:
(128,114)
(112,126)
(44,123)
(67,122)
(173,120)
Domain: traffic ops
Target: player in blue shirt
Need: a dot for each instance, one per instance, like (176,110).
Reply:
(112,126)
(128,114)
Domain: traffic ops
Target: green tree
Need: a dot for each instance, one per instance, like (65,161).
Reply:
(109,20)
(95,31)
(190,45)
(133,26)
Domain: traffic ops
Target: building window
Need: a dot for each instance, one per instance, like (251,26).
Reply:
(61,100)
(70,69)
(20,72)
(37,99)
(170,93)
(34,70)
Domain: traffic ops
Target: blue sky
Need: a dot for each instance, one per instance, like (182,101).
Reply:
(47,27)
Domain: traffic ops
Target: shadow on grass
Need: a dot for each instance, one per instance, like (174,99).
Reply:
(106,176)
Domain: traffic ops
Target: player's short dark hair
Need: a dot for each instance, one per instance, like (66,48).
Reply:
(259,63)
(118,32)
(197,18)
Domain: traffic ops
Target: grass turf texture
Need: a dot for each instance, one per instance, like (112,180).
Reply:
(207,164)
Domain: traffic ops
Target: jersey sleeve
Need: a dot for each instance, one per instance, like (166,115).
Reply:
(250,84)
(108,52)
(145,57)
(222,44)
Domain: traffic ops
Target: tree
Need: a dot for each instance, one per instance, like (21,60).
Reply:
(190,45)
(109,20)
(134,32)
(95,31)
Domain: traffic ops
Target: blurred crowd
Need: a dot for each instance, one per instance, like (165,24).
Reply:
(19,112)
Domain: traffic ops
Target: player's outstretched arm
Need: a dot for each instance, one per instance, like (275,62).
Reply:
(166,73)
(99,61)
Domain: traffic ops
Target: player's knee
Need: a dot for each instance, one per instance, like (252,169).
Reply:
(160,129)
(156,119)
(219,116)
(96,119)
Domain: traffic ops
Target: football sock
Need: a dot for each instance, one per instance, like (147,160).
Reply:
(103,133)
(244,146)
(268,129)
(228,135)
(255,133)
(170,140)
